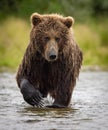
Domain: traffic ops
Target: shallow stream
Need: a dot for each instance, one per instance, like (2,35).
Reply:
(88,109)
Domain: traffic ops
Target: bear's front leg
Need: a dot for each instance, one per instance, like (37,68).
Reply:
(64,91)
(62,100)
(30,94)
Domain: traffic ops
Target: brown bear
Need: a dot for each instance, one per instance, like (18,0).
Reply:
(51,62)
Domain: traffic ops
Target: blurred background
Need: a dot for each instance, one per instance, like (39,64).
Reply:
(90,28)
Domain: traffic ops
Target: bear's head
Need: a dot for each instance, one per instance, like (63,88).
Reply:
(50,34)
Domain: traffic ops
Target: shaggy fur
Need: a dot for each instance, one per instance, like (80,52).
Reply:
(57,78)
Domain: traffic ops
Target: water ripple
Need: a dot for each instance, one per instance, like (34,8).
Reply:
(88,109)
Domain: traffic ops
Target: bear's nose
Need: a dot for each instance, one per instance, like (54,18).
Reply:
(52,55)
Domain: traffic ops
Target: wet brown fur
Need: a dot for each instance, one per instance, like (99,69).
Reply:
(57,78)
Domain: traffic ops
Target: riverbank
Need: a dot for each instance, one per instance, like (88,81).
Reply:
(92,38)
(83,69)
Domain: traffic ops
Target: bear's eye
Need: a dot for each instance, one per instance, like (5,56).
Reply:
(57,39)
(47,38)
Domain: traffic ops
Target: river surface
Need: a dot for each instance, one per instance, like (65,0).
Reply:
(88,109)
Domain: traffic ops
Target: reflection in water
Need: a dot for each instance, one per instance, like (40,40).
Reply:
(50,112)
(87,111)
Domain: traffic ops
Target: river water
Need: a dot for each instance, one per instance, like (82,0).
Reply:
(88,109)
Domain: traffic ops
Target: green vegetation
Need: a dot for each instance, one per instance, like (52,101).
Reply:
(93,39)
(90,28)
(14,35)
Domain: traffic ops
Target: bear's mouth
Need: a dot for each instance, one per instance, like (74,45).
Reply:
(51,56)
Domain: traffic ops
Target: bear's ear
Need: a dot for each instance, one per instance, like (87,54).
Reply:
(36,19)
(68,21)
